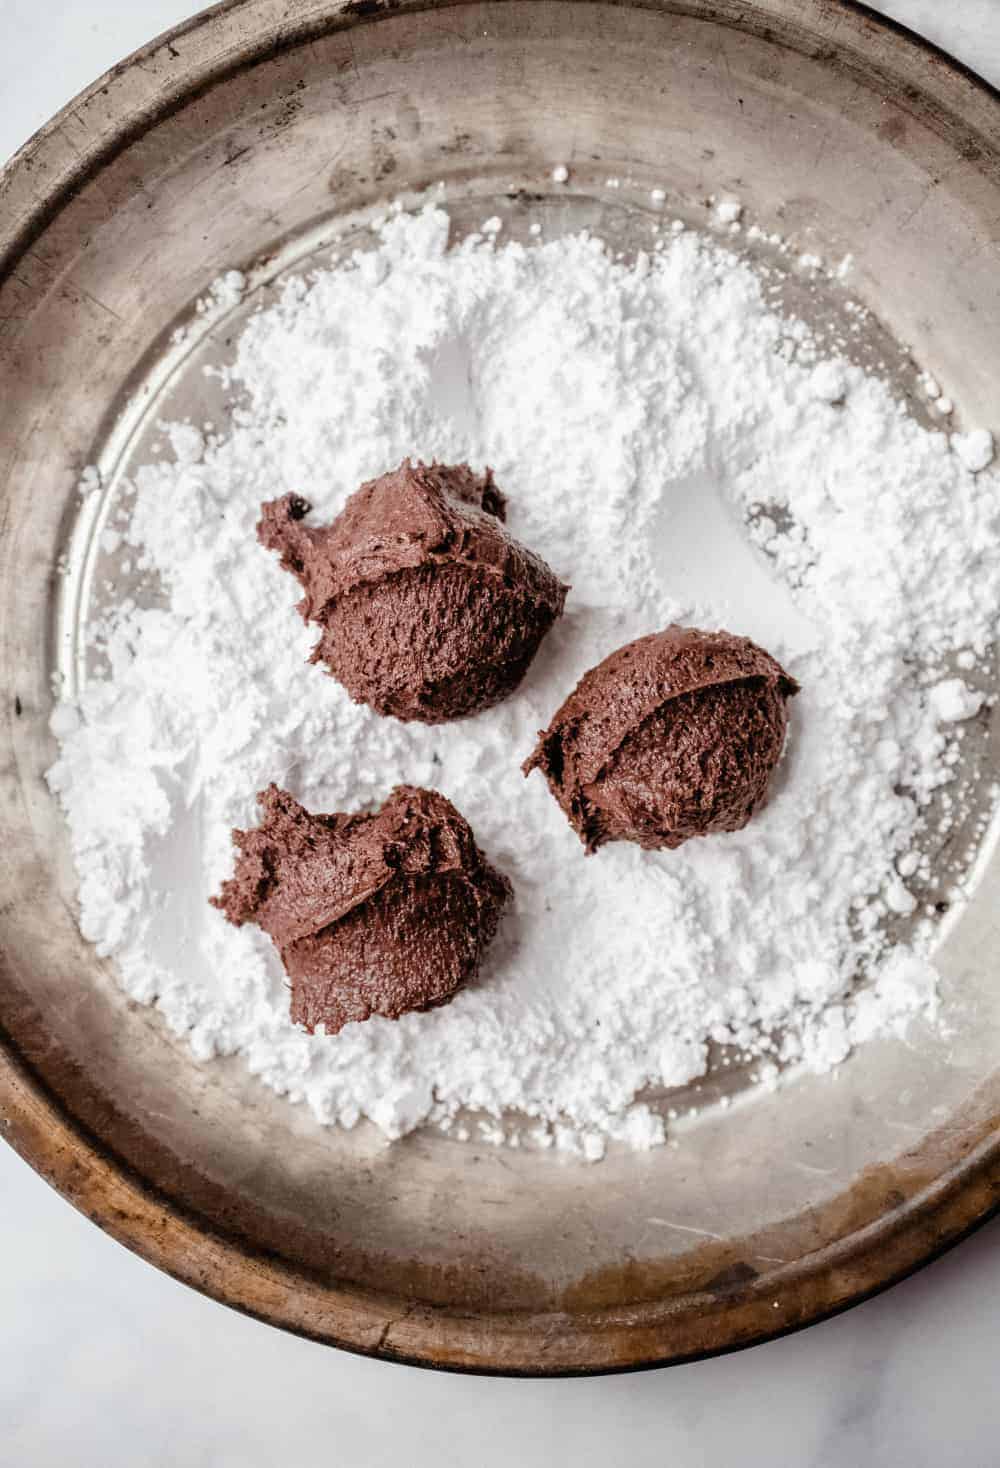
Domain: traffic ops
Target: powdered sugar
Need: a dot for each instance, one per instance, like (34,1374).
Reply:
(975,449)
(668,454)
(953,701)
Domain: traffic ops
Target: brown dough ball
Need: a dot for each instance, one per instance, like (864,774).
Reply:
(673,736)
(429,610)
(372,914)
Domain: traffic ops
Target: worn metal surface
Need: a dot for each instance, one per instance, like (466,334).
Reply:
(231,142)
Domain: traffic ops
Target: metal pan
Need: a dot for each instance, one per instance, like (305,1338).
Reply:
(241,139)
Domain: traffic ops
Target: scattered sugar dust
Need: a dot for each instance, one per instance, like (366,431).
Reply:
(669,447)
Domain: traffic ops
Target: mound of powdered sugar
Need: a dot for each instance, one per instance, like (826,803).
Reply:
(649,422)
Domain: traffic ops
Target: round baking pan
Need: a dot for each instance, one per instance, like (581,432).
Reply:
(249,139)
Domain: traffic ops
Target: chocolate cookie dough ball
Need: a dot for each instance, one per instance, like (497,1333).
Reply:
(429,610)
(372,914)
(673,736)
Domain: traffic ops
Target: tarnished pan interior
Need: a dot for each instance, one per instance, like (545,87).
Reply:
(241,133)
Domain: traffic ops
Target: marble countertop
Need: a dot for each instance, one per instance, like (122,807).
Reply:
(106,1363)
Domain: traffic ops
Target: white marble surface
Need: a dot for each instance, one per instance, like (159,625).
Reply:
(104,1363)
